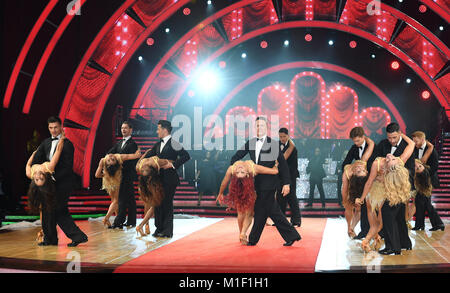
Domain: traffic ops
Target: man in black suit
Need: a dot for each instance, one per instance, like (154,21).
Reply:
(127,199)
(65,183)
(423,203)
(167,148)
(265,151)
(355,153)
(291,198)
(395,215)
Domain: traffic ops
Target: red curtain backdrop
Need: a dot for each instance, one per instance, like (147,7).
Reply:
(342,103)
(275,101)
(243,111)
(294,10)
(209,41)
(147,10)
(257,15)
(324,9)
(374,120)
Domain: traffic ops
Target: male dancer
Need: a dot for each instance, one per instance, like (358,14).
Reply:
(65,182)
(167,148)
(291,198)
(355,153)
(265,151)
(127,200)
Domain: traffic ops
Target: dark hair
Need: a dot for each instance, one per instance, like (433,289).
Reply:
(356,187)
(54,119)
(44,195)
(422,181)
(128,123)
(392,127)
(284,130)
(112,169)
(150,188)
(261,118)
(356,132)
(166,125)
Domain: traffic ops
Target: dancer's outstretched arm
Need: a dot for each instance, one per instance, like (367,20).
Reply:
(99,171)
(265,170)
(290,149)
(370,146)
(28,166)
(428,153)
(126,157)
(372,176)
(409,149)
(224,184)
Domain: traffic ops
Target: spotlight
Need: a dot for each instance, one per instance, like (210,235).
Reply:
(426,95)
(286,43)
(308,38)
(353,44)
(209,2)
(222,64)
(400,1)
(408,80)
(441,28)
(422,8)
(150,41)
(395,65)
(330,42)
(140,58)
(373,56)
(167,30)
(243,55)
(186,11)
(263,44)
(206,80)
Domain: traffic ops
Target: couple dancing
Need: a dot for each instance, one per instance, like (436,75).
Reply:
(157,180)
(253,187)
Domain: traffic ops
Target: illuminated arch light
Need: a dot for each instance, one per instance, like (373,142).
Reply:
(309,11)
(374,111)
(273,16)
(356,116)
(236,26)
(322,97)
(286,111)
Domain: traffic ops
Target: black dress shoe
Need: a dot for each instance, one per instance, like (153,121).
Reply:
(296,224)
(130,225)
(251,244)
(418,228)
(442,228)
(162,235)
(389,252)
(359,236)
(114,226)
(75,243)
(408,248)
(289,243)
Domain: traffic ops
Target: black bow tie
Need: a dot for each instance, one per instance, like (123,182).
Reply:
(55,138)
(260,139)
(360,147)
(421,149)
(161,140)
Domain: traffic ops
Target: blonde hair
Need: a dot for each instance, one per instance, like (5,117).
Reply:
(396,183)
(418,134)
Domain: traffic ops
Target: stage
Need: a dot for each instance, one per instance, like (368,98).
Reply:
(210,245)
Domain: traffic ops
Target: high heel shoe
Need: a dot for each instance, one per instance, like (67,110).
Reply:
(418,228)
(377,244)
(139,231)
(442,228)
(147,229)
(351,233)
(365,246)
(106,222)
(408,224)
(243,239)
(40,236)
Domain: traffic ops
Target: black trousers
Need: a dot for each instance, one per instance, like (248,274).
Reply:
(60,216)
(164,212)
(394,226)
(312,185)
(423,203)
(266,206)
(292,200)
(364,221)
(127,203)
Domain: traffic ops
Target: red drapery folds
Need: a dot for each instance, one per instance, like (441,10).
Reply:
(257,15)
(233,24)
(420,50)
(294,10)
(147,10)
(275,104)
(324,10)
(374,119)
(209,41)
(242,119)
(444,84)
(341,112)
(308,90)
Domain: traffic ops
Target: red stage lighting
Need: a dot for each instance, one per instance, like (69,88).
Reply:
(352,44)
(186,11)
(222,64)
(426,95)
(395,65)
(150,41)
(308,38)
(263,44)
(422,8)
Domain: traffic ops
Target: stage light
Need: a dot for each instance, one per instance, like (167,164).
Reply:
(352,44)
(330,42)
(150,41)
(243,55)
(140,58)
(209,2)
(408,80)
(441,28)
(263,44)
(286,43)
(186,11)
(308,38)
(400,1)
(206,80)
(395,65)
(373,56)
(167,30)
(426,95)
(222,64)
(422,8)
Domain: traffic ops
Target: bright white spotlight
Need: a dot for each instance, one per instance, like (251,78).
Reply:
(408,80)
(206,80)
(209,2)
(373,56)
(243,55)
(441,28)
(167,30)
(330,42)
(140,58)
(286,43)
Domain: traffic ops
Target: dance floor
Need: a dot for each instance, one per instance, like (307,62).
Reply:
(211,245)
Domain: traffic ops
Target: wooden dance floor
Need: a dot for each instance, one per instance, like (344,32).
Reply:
(199,242)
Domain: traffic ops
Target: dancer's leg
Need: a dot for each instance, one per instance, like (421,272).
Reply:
(348,217)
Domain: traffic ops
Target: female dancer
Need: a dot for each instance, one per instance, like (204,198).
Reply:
(42,190)
(353,181)
(242,193)
(110,170)
(150,188)
(422,183)
(388,181)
